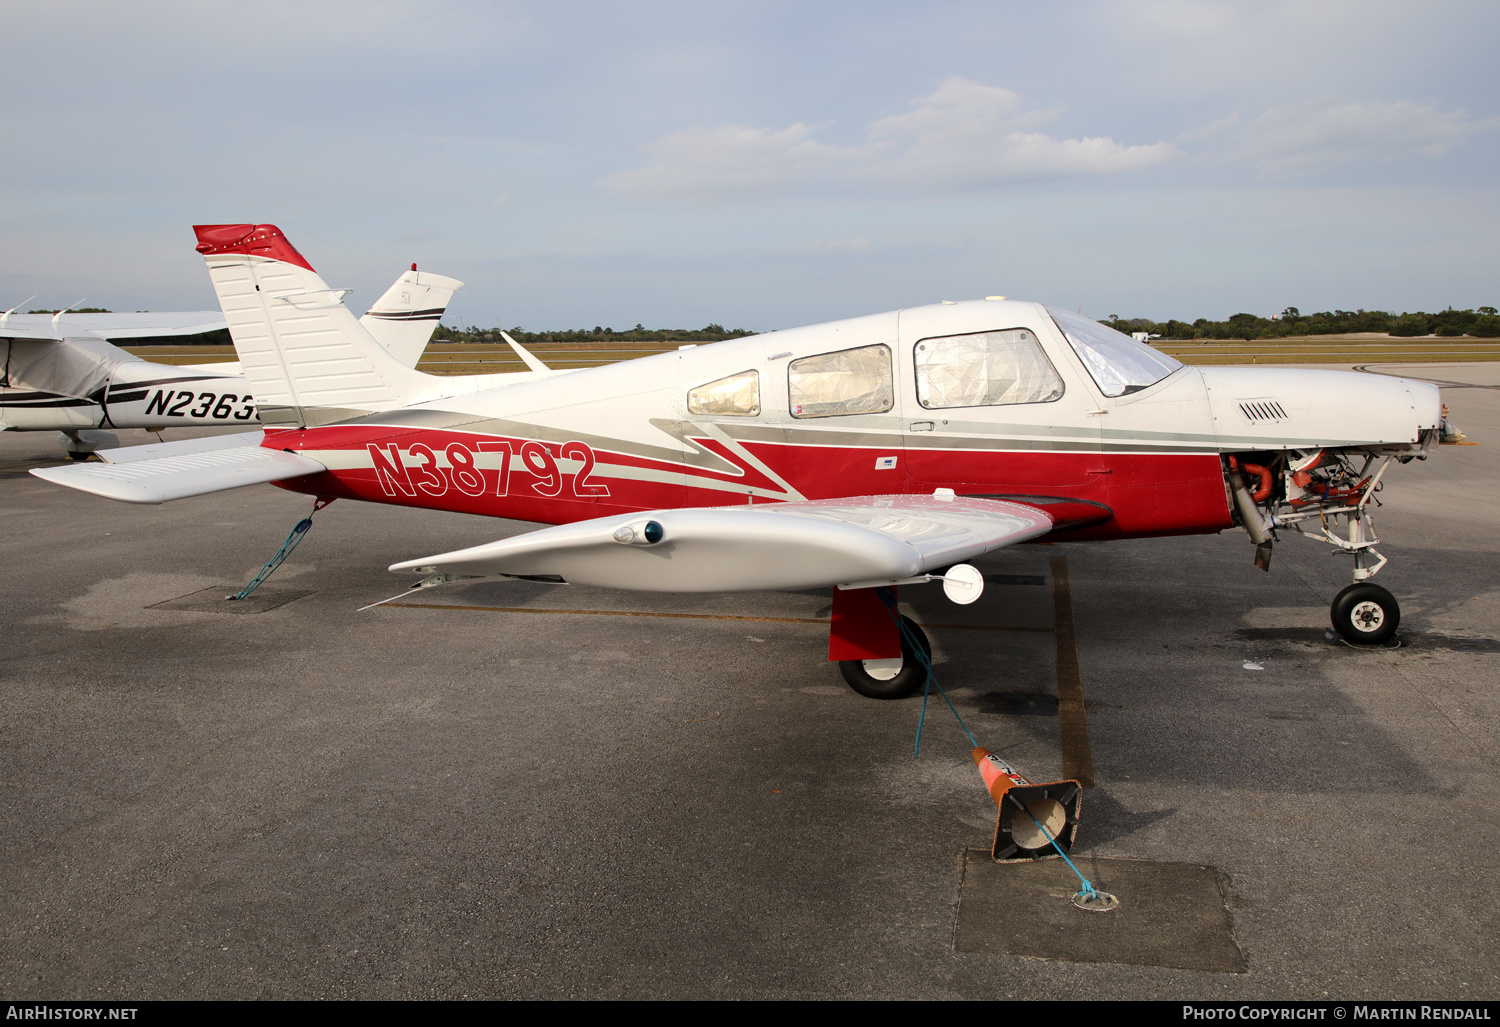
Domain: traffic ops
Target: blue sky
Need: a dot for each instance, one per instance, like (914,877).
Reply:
(764,164)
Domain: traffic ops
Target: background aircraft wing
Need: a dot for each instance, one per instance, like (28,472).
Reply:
(177,470)
(124,326)
(748,548)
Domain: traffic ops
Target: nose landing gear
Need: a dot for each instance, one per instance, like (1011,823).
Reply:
(1365,614)
(1319,493)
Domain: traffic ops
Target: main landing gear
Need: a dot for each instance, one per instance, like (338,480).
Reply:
(864,638)
(891,678)
(80,443)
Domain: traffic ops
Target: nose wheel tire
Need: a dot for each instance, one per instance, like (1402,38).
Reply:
(890,679)
(1365,614)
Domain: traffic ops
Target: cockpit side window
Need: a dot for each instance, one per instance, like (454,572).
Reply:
(984,369)
(739,395)
(1118,364)
(851,381)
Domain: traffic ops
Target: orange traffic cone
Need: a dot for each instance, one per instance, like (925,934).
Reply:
(1032,816)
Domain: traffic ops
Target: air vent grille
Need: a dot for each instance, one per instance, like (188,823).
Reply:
(1262,410)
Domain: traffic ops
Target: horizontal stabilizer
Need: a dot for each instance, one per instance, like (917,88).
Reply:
(744,548)
(132,454)
(192,473)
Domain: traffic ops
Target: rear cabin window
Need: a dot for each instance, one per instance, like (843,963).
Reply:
(739,394)
(851,381)
(984,369)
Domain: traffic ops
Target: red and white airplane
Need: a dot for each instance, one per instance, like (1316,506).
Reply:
(876,451)
(63,372)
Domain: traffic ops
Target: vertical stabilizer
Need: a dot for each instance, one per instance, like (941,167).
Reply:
(306,356)
(404,319)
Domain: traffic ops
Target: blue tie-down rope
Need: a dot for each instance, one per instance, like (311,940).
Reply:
(1088,897)
(888,598)
(281,554)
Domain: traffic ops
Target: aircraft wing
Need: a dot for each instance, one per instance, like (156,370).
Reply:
(122,326)
(806,544)
(177,470)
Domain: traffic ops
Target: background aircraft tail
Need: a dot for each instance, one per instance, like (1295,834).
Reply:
(305,355)
(404,319)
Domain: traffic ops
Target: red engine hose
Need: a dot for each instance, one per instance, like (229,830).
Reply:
(1264,492)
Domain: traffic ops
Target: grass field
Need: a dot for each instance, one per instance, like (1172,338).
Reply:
(474,358)
(1360,348)
(451,357)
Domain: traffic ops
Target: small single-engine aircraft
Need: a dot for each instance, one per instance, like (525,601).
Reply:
(63,373)
(877,451)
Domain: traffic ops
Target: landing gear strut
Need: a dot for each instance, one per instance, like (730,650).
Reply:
(80,443)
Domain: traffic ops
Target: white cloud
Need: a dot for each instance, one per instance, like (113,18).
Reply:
(1318,134)
(965,135)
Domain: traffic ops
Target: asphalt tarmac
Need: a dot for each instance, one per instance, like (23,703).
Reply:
(496,797)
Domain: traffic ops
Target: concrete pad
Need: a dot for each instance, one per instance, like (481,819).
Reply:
(214,600)
(1170,914)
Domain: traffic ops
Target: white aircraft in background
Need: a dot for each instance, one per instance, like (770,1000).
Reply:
(856,455)
(61,372)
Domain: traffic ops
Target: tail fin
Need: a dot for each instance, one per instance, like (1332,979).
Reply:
(404,319)
(307,358)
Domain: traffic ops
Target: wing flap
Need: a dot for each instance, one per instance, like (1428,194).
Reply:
(180,474)
(736,549)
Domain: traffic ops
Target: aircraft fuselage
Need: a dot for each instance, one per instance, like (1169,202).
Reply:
(640,435)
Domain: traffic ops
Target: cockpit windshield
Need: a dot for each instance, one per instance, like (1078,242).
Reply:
(1118,363)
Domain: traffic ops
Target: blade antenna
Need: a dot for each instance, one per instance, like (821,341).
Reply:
(525,354)
(58,316)
(5,317)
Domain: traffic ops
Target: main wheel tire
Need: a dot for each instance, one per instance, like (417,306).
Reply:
(1365,614)
(911,676)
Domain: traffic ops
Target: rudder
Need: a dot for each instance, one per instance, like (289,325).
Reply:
(305,355)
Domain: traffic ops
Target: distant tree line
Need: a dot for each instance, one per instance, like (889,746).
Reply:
(1482,323)
(708,333)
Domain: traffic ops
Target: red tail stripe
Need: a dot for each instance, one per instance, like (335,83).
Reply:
(257,240)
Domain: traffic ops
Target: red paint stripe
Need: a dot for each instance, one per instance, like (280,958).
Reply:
(1150,494)
(253,240)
